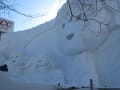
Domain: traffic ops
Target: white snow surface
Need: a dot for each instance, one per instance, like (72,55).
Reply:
(66,51)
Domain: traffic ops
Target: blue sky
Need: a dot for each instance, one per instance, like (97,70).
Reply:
(33,7)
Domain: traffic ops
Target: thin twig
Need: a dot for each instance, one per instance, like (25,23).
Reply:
(16,11)
(104,3)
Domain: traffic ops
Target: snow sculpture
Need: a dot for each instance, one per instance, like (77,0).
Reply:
(34,70)
(39,64)
(16,65)
(41,70)
(86,34)
(87,46)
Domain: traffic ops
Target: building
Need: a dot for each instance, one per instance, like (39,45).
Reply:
(6,25)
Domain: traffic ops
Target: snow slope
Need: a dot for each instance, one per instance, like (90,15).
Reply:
(70,49)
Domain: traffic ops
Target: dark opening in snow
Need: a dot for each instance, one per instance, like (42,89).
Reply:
(4,68)
(70,36)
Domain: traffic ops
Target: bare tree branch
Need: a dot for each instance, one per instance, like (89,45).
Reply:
(4,6)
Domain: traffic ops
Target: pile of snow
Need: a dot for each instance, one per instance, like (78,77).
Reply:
(80,44)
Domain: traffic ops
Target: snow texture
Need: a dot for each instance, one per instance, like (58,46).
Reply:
(70,49)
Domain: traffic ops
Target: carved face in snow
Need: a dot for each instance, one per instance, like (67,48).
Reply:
(15,65)
(16,60)
(78,36)
(42,63)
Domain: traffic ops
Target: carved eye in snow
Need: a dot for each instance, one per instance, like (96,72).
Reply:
(63,25)
(70,36)
(39,60)
(13,61)
(16,56)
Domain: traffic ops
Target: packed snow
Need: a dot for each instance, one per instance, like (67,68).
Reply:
(80,44)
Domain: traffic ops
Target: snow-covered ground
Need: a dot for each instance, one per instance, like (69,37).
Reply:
(71,49)
(7,84)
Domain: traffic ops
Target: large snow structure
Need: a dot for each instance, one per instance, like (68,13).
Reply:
(80,44)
